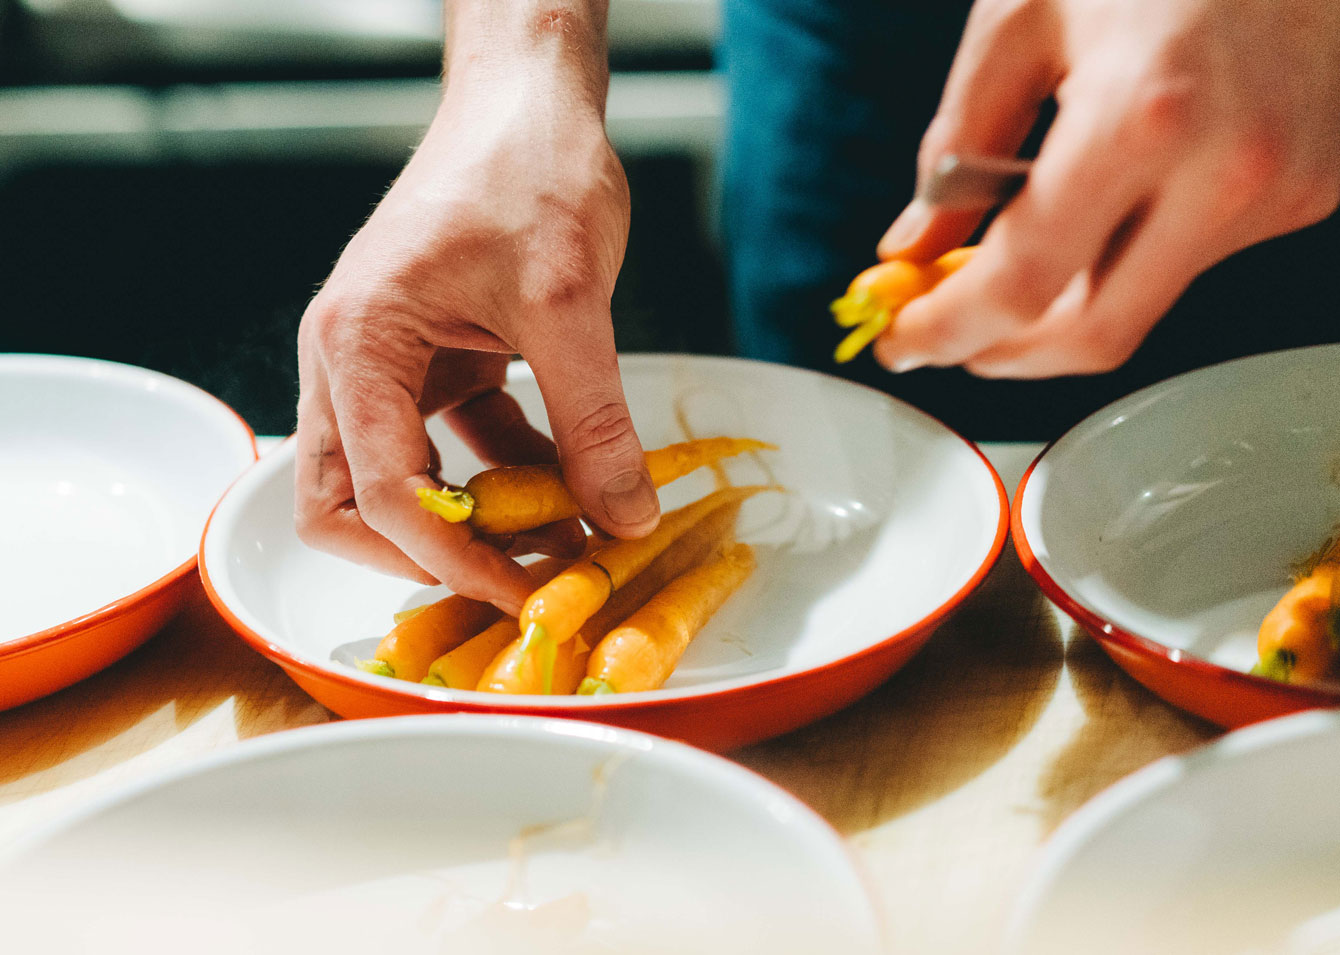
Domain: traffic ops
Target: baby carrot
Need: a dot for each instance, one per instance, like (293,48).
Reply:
(1299,640)
(557,610)
(415,642)
(511,499)
(641,653)
(876,296)
(513,670)
(418,639)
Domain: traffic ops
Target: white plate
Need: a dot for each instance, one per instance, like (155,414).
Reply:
(394,836)
(1233,849)
(1168,523)
(890,519)
(107,475)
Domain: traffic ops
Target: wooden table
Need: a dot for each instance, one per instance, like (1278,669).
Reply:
(947,779)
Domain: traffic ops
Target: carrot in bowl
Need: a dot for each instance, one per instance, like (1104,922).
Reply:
(511,499)
(558,610)
(641,653)
(513,670)
(422,635)
(876,296)
(1299,640)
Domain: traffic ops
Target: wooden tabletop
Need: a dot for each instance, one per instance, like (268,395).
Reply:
(947,779)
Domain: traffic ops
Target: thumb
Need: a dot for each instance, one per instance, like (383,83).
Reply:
(601,456)
(1008,63)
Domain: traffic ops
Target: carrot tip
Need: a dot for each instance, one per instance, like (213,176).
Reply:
(1276,666)
(432,680)
(400,616)
(377,668)
(591,686)
(452,505)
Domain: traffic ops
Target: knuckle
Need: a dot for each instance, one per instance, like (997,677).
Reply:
(1254,161)
(603,428)
(1024,286)
(1163,114)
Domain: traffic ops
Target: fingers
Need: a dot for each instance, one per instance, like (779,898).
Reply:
(324,512)
(495,428)
(1097,323)
(1007,65)
(559,539)
(387,450)
(1097,169)
(603,464)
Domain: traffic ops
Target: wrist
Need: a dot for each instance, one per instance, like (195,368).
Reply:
(557,47)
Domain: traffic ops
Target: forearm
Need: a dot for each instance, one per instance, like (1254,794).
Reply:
(558,42)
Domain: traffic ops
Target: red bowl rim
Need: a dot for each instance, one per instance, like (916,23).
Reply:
(494,702)
(1105,630)
(122,605)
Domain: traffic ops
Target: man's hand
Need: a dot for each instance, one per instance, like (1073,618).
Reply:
(1187,130)
(503,235)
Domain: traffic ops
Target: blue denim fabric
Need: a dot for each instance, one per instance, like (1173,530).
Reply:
(828,101)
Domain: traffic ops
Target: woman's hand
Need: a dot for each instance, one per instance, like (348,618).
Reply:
(1186,130)
(503,235)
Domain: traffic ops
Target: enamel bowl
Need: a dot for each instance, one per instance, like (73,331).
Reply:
(479,834)
(890,520)
(1167,524)
(1232,849)
(107,475)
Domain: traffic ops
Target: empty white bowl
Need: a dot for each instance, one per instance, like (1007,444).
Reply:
(889,521)
(436,834)
(1168,523)
(1229,850)
(108,473)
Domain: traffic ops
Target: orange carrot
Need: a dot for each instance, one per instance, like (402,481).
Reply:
(557,610)
(417,640)
(513,670)
(641,653)
(1299,640)
(876,296)
(511,499)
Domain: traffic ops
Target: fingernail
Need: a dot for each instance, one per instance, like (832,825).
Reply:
(898,363)
(907,228)
(629,498)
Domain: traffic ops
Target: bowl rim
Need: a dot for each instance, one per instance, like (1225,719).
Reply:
(75,365)
(722,773)
(598,705)
(1131,791)
(1106,630)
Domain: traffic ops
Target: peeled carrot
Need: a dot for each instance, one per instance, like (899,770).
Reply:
(876,296)
(513,670)
(1299,640)
(641,653)
(556,611)
(511,499)
(418,639)
(461,668)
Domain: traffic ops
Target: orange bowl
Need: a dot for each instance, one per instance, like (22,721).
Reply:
(1167,524)
(107,475)
(890,520)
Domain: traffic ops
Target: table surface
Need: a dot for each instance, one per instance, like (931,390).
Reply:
(947,779)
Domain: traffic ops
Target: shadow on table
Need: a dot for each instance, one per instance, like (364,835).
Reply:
(922,734)
(176,679)
(1128,727)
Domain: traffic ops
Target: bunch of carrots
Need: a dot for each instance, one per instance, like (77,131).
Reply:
(616,620)
(1299,640)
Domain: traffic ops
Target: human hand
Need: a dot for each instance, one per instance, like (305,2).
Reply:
(1186,130)
(503,235)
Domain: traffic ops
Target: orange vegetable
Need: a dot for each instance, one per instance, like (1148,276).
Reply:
(1299,640)
(876,296)
(511,499)
(556,611)
(426,633)
(513,670)
(641,653)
